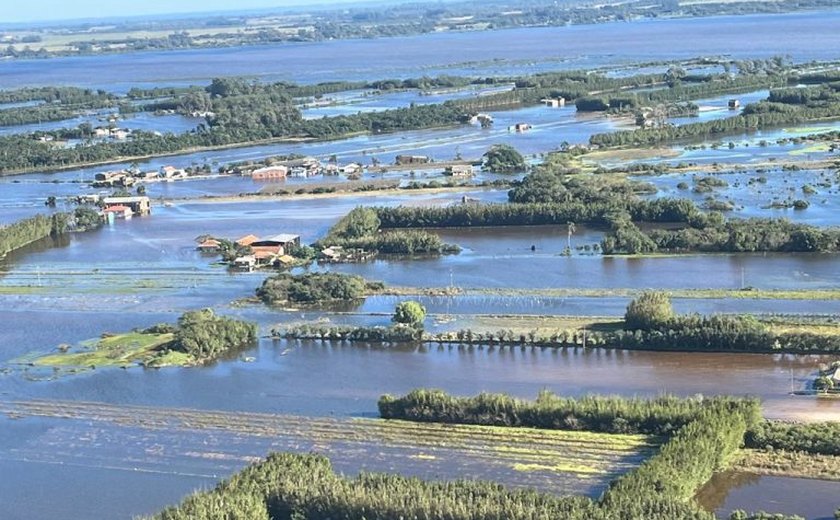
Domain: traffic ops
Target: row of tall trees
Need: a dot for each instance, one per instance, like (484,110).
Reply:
(782,107)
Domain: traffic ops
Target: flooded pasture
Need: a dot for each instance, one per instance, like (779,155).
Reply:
(808,36)
(145,438)
(731,490)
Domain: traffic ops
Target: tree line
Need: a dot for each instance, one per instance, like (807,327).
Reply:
(787,109)
(18,234)
(816,438)
(663,415)
(361,229)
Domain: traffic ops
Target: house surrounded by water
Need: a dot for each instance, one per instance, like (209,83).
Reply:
(140,205)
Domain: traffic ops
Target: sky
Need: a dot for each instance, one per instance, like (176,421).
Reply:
(15,11)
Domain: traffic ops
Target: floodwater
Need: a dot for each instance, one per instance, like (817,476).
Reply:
(753,192)
(808,498)
(488,261)
(353,102)
(145,271)
(24,195)
(808,36)
(145,121)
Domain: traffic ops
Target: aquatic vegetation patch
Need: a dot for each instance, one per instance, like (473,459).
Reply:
(198,337)
(119,350)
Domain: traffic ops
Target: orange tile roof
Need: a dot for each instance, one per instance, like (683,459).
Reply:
(247,240)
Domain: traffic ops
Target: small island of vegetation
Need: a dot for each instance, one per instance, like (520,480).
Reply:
(198,337)
(310,288)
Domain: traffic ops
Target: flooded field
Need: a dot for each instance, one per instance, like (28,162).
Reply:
(762,192)
(190,447)
(145,438)
(811,499)
(148,122)
(808,36)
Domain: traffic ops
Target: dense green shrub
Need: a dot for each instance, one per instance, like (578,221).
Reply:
(360,229)
(503,158)
(313,288)
(220,504)
(204,335)
(598,212)
(360,222)
(651,310)
(410,313)
(397,242)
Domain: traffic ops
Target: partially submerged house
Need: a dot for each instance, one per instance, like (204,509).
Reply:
(734,104)
(558,102)
(139,205)
(459,170)
(519,127)
(117,211)
(112,179)
(283,240)
(271,250)
(305,166)
(246,263)
(211,245)
(171,172)
(270,173)
(351,168)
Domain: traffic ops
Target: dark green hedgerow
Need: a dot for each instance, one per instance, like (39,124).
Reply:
(660,416)
(817,438)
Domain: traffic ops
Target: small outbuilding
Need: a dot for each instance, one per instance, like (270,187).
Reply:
(459,170)
(211,245)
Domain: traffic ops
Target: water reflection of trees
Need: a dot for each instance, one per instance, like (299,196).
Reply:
(713,495)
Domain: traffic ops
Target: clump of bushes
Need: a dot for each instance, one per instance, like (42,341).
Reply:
(360,229)
(651,310)
(315,288)
(204,335)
